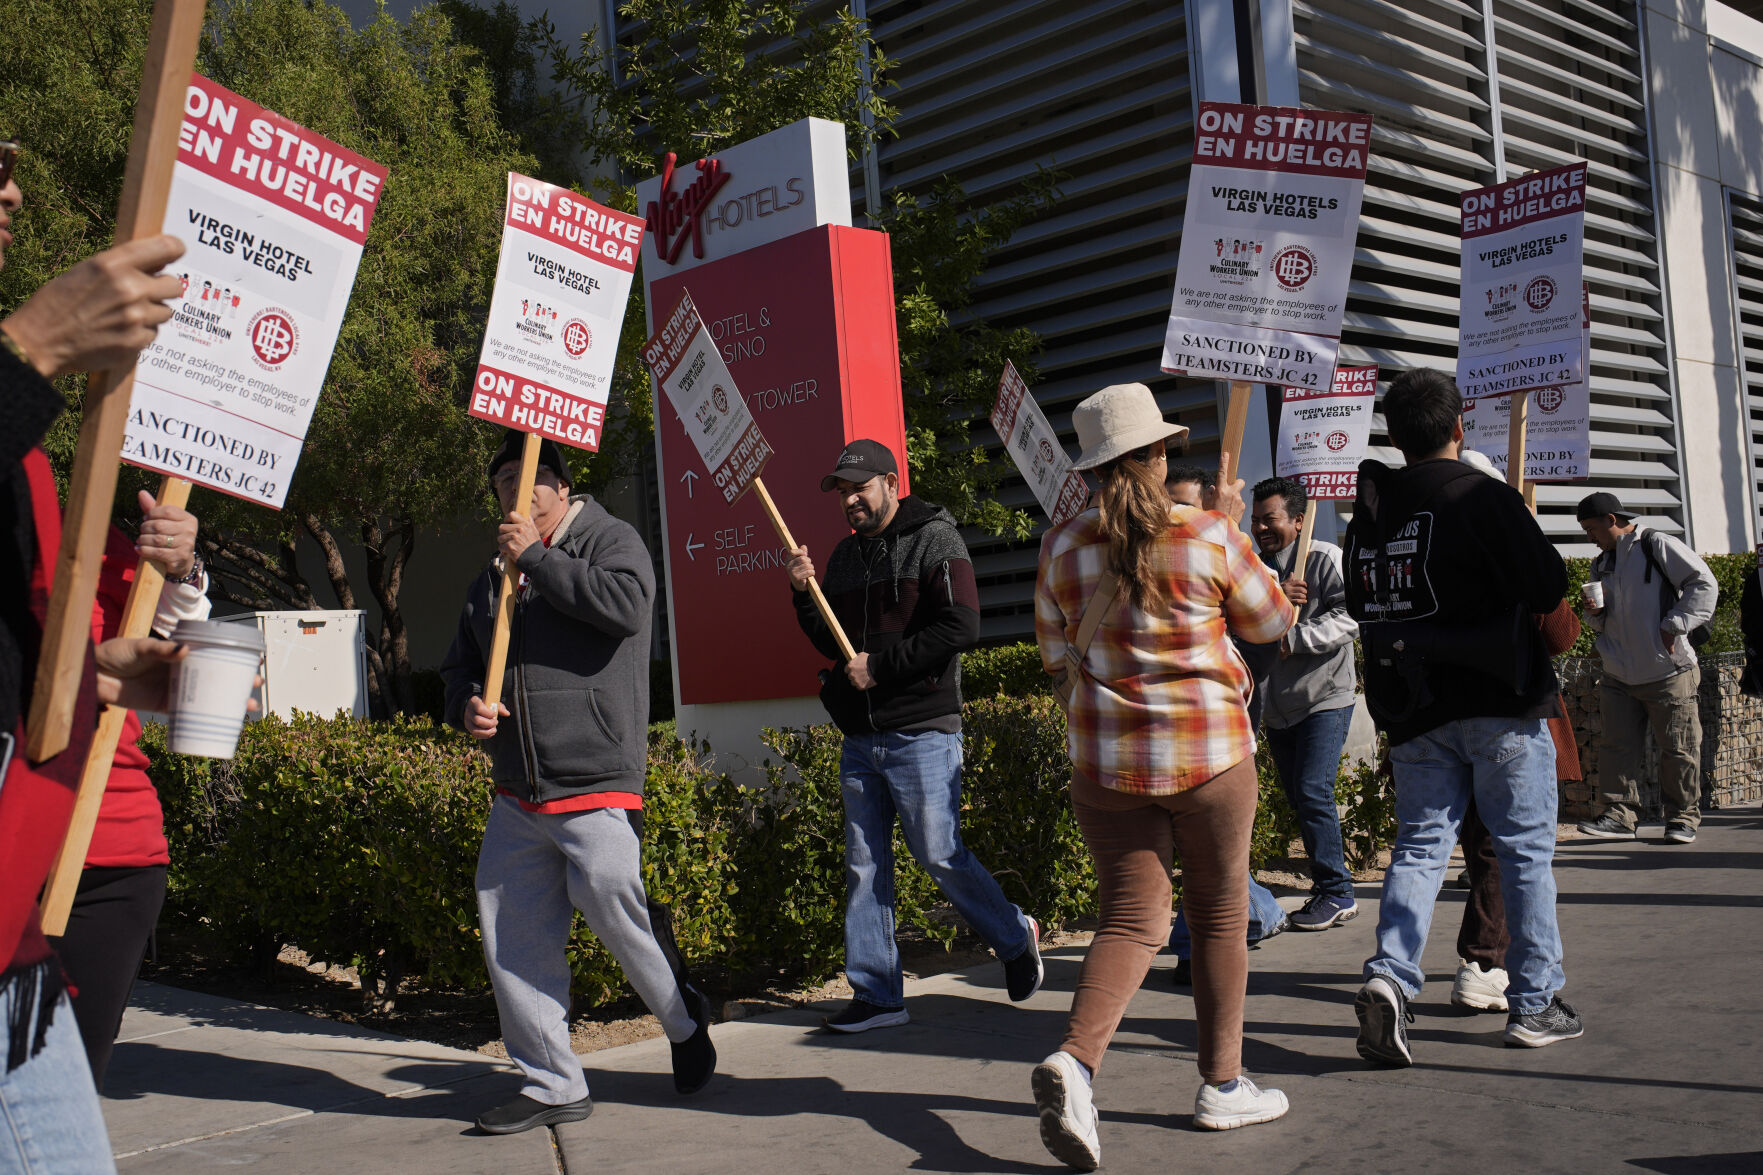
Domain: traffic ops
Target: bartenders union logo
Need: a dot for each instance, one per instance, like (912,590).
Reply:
(721,398)
(1337,441)
(1539,293)
(1294,266)
(1046,449)
(577,338)
(273,338)
(1549,400)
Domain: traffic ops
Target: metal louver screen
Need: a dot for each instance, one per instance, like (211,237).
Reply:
(1099,92)
(1747,278)
(1570,84)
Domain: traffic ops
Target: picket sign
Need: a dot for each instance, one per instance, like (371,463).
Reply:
(137,621)
(563,277)
(146,185)
(689,371)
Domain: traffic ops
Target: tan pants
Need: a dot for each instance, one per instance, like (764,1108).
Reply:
(1671,709)
(1132,839)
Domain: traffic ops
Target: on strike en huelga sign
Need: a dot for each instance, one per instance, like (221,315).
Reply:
(1323,434)
(1558,428)
(1267,244)
(273,218)
(552,339)
(1035,448)
(686,363)
(1523,256)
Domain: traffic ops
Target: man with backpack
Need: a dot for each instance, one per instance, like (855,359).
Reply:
(1446,571)
(1649,600)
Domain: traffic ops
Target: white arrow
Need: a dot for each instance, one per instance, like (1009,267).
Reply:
(689,476)
(691,546)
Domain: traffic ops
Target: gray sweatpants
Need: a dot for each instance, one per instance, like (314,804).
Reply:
(533,872)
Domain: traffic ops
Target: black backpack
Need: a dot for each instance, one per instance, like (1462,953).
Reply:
(1668,591)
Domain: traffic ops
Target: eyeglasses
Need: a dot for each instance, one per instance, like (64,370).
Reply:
(9,149)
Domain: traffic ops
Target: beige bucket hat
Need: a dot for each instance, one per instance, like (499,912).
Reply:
(1119,419)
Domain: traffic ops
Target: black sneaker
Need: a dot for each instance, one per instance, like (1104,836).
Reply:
(524,1113)
(1183,975)
(694,1058)
(1679,832)
(1023,974)
(1383,1020)
(1323,911)
(861,1016)
(1609,826)
(1556,1022)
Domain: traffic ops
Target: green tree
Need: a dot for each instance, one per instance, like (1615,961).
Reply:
(391,451)
(702,75)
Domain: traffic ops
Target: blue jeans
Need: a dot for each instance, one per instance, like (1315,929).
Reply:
(1508,765)
(916,774)
(49,1116)
(1308,758)
(1264,915)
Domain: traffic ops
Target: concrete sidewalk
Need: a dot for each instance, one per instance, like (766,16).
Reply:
(1663,952)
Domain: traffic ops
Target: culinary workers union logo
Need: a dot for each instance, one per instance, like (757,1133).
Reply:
(1549,400)
(1539,293)
(1337,441)
(577,338)
(721,398)
(273,338)
(1294,266)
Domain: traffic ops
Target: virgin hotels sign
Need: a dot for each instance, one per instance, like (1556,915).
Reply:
(795,178)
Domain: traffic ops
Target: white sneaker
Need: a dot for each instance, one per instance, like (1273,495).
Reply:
(1068,1117)
(1243,1106)
(1478,989)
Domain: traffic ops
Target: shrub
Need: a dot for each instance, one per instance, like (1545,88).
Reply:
(1012,670)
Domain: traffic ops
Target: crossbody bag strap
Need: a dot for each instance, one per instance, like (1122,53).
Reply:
(1106,589)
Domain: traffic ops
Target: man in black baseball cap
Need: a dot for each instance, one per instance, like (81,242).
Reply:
(1649,598)
(903,590)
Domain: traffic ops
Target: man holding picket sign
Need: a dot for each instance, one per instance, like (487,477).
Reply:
(568,603)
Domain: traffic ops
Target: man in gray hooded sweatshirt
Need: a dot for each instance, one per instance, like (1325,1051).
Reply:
(568,745)
(1656,594)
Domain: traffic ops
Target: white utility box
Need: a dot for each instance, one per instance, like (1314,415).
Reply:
(314,662)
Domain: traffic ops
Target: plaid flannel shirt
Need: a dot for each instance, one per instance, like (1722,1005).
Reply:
(1161,704)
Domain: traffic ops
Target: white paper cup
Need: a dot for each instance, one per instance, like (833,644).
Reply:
(1593,593)
(209,687)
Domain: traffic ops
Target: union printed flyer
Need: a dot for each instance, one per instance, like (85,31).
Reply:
(1523,256)
(273,218)
(1322,435)
(552,339)
(1267,244)
(1035,448)
(689,368)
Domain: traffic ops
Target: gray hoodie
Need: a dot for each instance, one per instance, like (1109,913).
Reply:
(1316,672)
(1634,613)
(577,679)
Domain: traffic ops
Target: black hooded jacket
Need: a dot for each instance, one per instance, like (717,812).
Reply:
(1439,548)
(907,598)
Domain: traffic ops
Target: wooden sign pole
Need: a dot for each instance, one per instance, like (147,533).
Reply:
(1305,534)
(826,609)
(1236,422)
(137,621)
(171,58)
(1515,437)
(523,497)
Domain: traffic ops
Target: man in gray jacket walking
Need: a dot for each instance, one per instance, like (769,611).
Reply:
(568,744)
(1655,594)
(1308,694)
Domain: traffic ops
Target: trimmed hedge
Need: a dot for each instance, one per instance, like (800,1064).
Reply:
(358,841)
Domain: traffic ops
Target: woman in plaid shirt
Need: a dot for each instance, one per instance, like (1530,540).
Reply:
(1163,758)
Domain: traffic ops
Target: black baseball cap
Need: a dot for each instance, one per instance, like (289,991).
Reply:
(550,454)
(1601,503)
(861,461)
